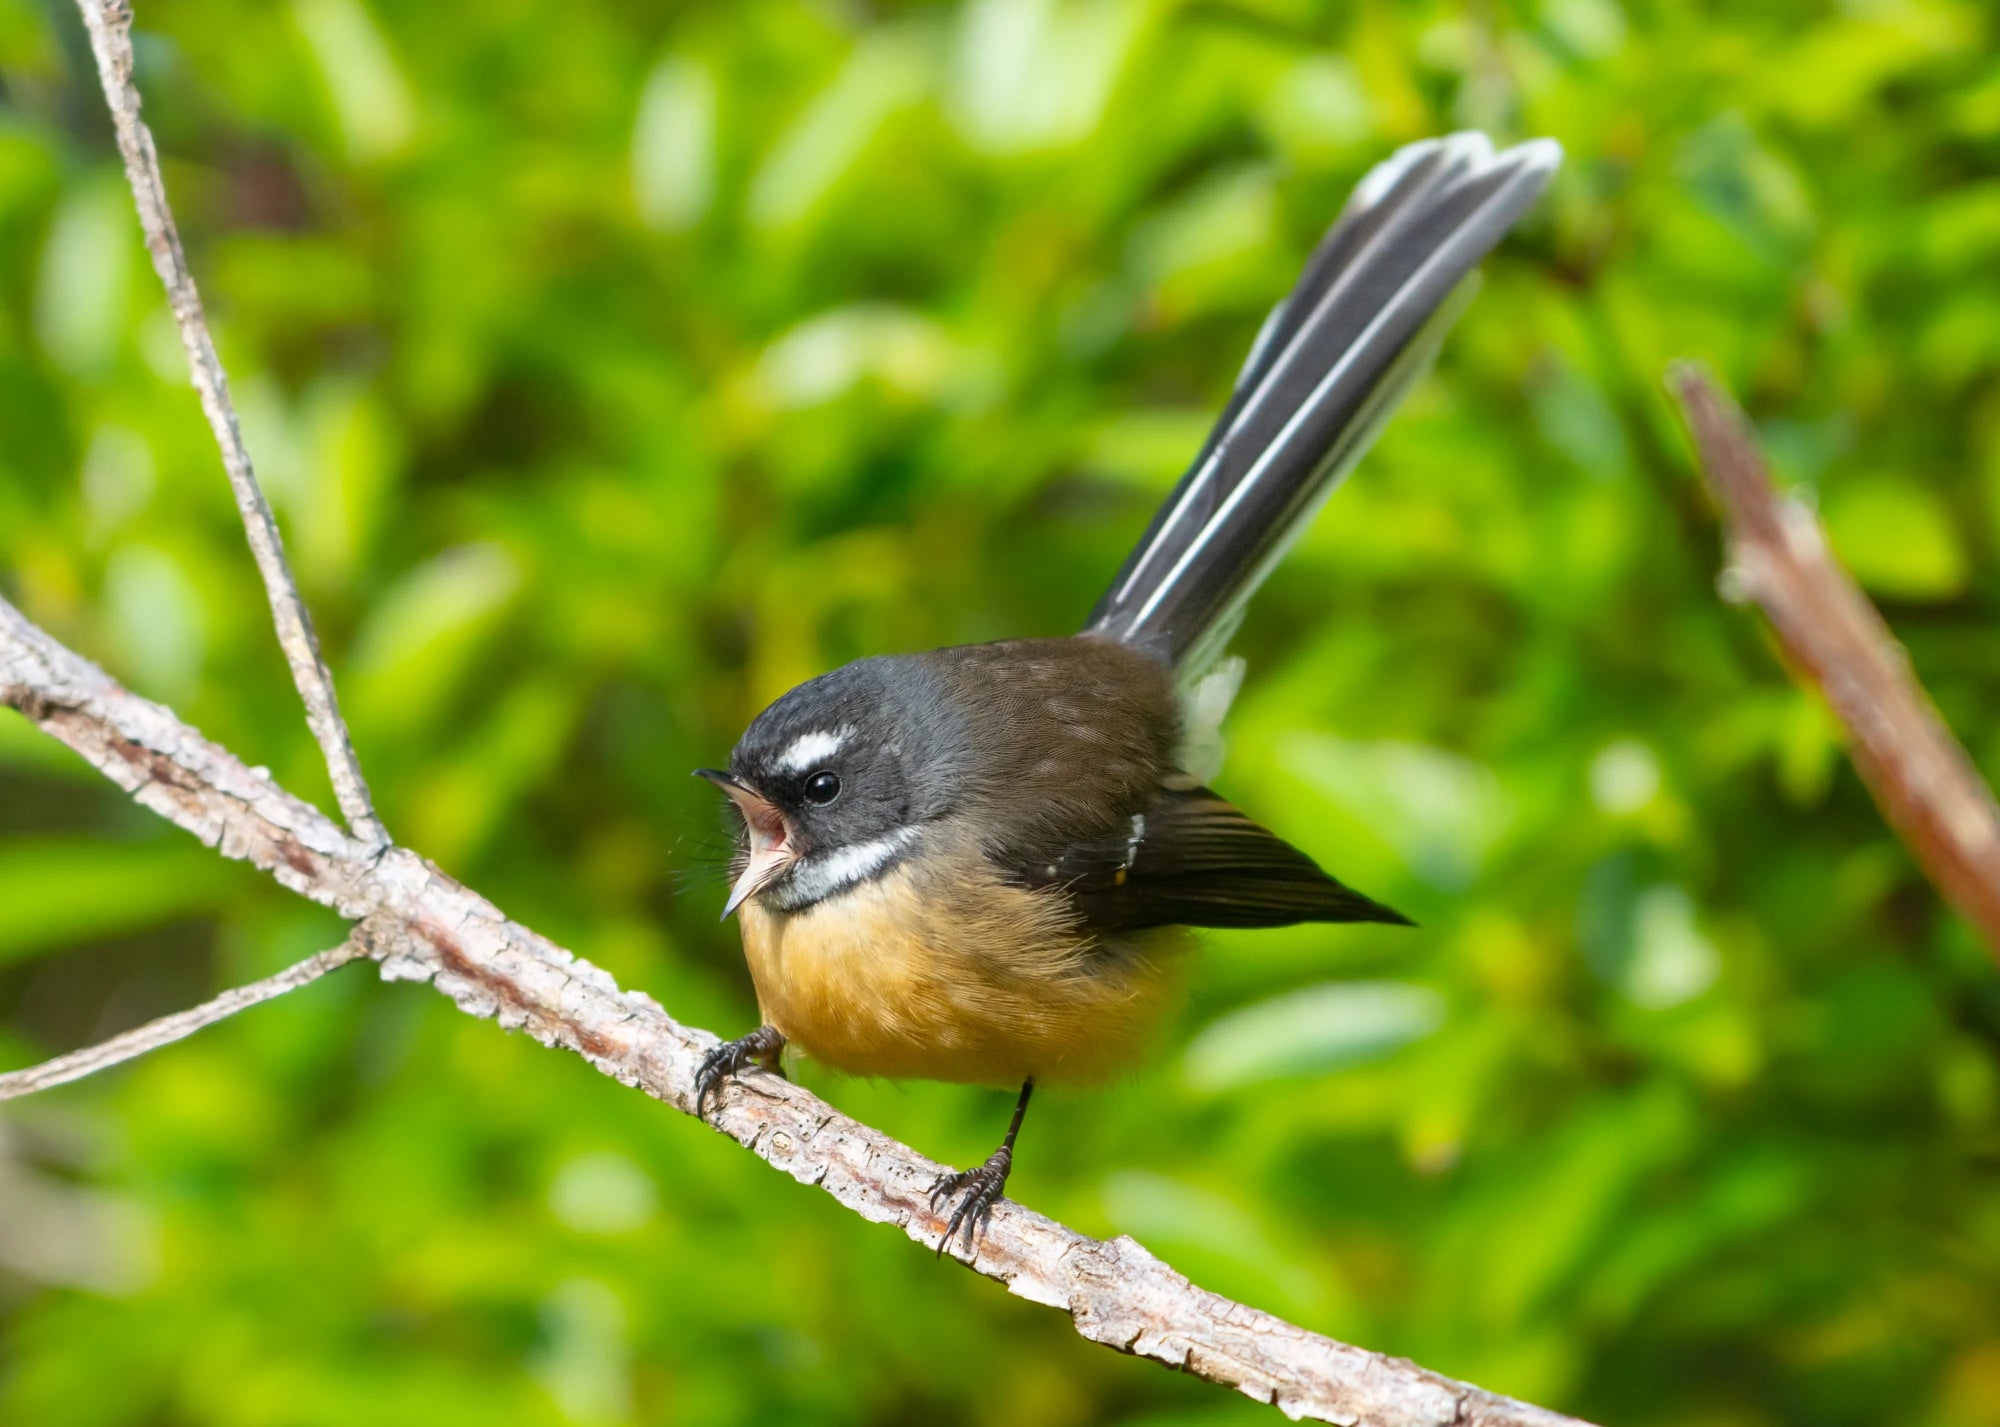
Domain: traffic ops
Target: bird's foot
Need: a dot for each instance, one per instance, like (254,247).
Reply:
(981,1187)
(761,1047)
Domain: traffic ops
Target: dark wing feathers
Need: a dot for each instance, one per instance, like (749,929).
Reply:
(1192,859)
(1330,365)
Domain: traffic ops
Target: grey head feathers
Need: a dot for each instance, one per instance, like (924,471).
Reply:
(1033,740)
(895,746)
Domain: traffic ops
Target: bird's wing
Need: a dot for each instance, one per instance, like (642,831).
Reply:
(1193,859)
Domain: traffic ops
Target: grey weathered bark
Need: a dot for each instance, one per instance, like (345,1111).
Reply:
(110,26)
(422,925)
(167,1029)
(1922,778)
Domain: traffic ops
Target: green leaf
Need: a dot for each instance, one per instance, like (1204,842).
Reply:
(56,892)
(673,145)
(1896,537)
(1311,1032)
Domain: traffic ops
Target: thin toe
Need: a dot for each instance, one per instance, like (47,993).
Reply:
(982,1187)
(714,1066)
(946,1185)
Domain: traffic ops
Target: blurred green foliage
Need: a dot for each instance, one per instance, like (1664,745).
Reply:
(614,366)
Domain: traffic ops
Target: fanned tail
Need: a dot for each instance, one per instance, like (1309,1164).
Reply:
(1330,365)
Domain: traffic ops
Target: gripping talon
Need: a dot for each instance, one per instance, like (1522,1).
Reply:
(982,1186)
(761,1047)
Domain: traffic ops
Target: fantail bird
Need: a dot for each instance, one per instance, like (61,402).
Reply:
(969,864)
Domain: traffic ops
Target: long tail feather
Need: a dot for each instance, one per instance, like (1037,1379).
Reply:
(1331,364)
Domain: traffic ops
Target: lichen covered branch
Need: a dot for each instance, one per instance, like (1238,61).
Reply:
(110,26)
(167,1029)
(422,925)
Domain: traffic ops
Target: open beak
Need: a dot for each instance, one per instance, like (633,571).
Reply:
(770,849)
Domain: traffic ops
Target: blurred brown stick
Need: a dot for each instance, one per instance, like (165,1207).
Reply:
(110,26)
(422,925)
(1921,777)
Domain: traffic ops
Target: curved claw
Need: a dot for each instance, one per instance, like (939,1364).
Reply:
(982,1186)
(761,1047)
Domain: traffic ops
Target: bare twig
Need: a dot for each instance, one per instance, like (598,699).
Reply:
(179,1026)
(425,926)
(1921,777)
(110,25)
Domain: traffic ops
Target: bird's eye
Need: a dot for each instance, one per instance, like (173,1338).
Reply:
(823,787)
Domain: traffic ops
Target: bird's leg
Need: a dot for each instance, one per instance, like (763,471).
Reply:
(762,1046)
(982,1183)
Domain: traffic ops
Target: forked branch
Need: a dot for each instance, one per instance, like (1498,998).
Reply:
(425,926)
(110,26)
(179,1026)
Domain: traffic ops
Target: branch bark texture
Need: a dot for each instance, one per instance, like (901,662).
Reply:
(1921,777)
(110,26)
(179,1026)
(423,926)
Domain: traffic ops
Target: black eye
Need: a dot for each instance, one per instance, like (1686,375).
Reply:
(822,787)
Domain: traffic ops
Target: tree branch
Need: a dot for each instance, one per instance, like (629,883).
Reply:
(110,26)
(425,926)
(1920,775)
(179,1026)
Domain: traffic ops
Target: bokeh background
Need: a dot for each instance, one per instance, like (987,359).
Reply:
(613,366)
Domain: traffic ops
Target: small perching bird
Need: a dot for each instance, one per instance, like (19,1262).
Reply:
(970,864)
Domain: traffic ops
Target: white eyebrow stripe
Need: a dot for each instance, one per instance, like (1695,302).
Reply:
(809,750)
(816,877)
